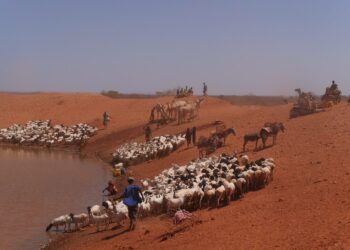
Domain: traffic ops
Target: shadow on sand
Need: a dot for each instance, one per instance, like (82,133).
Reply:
(116,235)
(257,149)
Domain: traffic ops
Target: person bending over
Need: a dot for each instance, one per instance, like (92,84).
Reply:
(111,189)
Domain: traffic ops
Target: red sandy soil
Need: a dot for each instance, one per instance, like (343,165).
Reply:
(307,205)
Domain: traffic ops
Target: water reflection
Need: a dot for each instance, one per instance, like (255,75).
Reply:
(38,185)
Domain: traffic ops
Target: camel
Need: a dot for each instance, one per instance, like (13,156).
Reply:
(159,111)
(188,111)
(185,113)
(173,108)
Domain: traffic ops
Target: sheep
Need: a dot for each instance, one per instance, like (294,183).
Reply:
(96,210)
(42,133)
(209,193)
(186,186)
(144,209)
(219,193)
(63,220)
(121,212)
(78,219)
(229,189)
(244,159)
(157,204)
(134,153)
(240,184)
(173,203)
(99,220)
(116,211)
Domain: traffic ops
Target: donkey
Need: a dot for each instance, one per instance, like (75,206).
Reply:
(251,137)
(271,129)
(207,145)
(225,133)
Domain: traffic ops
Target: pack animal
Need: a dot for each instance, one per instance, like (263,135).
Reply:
(271,129)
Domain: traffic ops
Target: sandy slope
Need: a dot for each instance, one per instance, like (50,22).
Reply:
(306,206)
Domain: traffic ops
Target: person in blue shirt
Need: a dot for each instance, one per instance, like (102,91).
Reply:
(132,196)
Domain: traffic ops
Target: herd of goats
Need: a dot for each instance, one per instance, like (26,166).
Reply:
(205,182)
(160,146)
(42,133)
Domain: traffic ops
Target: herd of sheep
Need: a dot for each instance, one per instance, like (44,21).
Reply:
(205,182)
(43,133)
(134,153)
(214,180)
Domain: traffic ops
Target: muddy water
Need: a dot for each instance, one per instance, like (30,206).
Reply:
(38,185)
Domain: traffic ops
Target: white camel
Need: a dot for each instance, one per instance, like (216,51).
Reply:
(188,111)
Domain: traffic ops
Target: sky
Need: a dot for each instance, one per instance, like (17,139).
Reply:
(236,47)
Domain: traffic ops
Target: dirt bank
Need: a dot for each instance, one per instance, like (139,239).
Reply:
(306,206)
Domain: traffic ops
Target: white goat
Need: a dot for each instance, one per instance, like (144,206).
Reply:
(63,220)
(98,220)
(77,219)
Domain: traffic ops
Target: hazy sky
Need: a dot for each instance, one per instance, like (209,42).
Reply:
(237,47)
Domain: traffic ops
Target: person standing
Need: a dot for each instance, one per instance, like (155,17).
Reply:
(148,133)
(205,89)
(132,196)
(105,119)
(194,131)
(188,136)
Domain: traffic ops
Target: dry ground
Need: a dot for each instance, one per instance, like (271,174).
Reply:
(307,206)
